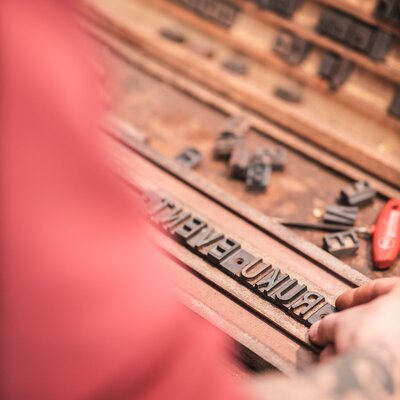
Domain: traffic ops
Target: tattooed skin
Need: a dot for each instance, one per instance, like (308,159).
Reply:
(366,374)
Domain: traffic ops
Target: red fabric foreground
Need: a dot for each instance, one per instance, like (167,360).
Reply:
(87,310)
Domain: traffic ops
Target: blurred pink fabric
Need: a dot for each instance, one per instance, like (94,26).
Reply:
(87,312)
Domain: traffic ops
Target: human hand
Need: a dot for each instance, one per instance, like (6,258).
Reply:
(368,315)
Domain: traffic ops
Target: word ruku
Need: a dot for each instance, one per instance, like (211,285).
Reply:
(225,253)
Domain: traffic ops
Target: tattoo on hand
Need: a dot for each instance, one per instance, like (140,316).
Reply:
(365,374)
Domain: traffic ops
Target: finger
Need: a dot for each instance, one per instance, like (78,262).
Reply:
(323,332)
(367,293)
(328,352)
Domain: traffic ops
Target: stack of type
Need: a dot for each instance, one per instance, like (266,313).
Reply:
(252,167)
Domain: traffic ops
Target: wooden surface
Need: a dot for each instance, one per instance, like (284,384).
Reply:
(170,98)
(175,121)
(320,118)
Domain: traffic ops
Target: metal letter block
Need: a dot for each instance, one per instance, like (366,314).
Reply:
(343,215)
(221,250)
(189,229)
(288,293)
(173,35)
(237,261)
(321,313)
(287,95)
(254,272)
(189,158)
(360,36)
(301,307)
(235,65)
(380,45)
(203,240)
(239,161)
(358,193)
(266,285)
(258,176)
(334,25)
(341,244)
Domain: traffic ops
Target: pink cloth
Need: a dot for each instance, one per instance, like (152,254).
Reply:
(80,319)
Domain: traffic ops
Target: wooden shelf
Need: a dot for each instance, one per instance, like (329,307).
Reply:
(303,24)
(363,10)
(318,119)
(355,93)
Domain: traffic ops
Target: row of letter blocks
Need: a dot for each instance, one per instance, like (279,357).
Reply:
(355,34)
(225,253)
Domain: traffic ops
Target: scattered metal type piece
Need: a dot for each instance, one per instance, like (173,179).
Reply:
(173,35)
(394,108)
(358,193)
(277,157)
(236,65)
(224,146)
(319,226)
(258,176)
(388,10)
(345,215)
(287,95)
(235,126)
(341,244)
(284,8)
(291,48)
(335,69)
(239,161)
(189,158)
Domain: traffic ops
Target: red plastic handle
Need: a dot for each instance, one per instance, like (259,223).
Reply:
(386,237)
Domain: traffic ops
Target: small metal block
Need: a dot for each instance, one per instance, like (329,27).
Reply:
(344,215)
(278,158)
(237,261)
(284,8)
(357,194)
(345,68)
(381,43)
(321,313)
(335,69)
(189,158)
(223,147)
(258,176)
(388,10)
(359,36)
(291,48)
(222,250)
(236,66)
(394,108)
(236,127)
(239,162)
(287,95)
(328,65)
(341,244)
(334,25)
(173,35)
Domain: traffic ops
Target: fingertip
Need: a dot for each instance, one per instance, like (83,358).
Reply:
(313,332)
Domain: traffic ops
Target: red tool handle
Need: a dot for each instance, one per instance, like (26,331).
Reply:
(386,236)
